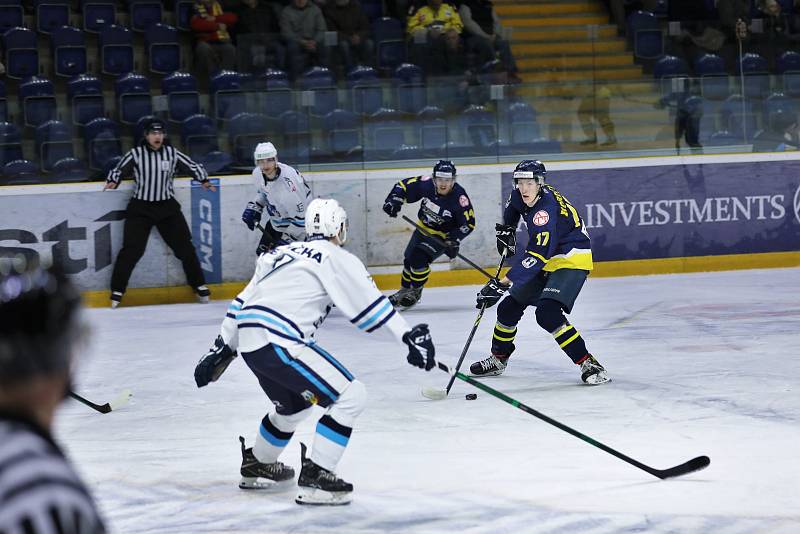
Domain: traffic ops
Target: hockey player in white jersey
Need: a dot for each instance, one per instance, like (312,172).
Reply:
(283,192)
(272,323)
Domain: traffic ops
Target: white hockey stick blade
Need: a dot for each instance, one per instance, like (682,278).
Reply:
(121,399)
(434,393)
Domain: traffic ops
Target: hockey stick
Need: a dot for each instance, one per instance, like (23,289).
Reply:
(439,394)
(441,242)
(119,401)
(695,464)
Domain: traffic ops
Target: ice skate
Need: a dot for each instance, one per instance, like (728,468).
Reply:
(320,486)
(256,475)
(494,365)
(116,298)
(406,297)
(203,294)
(592,373)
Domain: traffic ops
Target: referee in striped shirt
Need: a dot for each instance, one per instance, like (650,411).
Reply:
(154,163)
(40,330)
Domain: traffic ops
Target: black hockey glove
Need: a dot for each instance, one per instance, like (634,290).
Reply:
(268,241)
(252,215)
(506,239)
(392,205)
(451,247)
(491,293)
(213,363)
(420,347)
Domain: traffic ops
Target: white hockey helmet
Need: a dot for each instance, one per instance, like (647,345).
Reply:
(264,151)
(326,218)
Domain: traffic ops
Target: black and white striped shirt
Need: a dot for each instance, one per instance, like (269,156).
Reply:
(40,493)
(153,171)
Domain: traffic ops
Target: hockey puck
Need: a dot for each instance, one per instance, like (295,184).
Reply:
(471,396)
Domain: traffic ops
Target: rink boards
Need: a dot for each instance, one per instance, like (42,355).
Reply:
(644,215)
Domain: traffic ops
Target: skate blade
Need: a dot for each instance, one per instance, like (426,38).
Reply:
(318,497)
(598,379)
(484,375)
(265,484)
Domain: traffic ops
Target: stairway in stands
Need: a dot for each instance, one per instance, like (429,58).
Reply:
(561,65)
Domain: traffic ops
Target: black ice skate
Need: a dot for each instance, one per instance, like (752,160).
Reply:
(406,297)
(494,365)
(256,475)
(203,294)
(320,486)
(592,373)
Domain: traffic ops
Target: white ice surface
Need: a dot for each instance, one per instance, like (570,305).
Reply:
(701,364)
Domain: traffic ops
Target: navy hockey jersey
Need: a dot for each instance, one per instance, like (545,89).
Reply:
(450,216)
(557,235)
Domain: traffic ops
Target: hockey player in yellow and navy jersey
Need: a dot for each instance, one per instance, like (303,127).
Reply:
(549,275)
(445,212)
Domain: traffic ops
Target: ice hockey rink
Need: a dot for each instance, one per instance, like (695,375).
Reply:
(701,363)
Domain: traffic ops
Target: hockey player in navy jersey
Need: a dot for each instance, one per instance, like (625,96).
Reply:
(549,276)
(272,323)
(283,192)
(445,212)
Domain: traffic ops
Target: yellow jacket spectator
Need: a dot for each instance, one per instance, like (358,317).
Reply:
(436,15)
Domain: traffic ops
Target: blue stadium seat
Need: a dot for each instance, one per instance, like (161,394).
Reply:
(432,130)
(667,68)
(227,98)
(116,50)
(410,93)
(183,99)
(11,15)
(97,14)
(3,102)
(85,94)
(22,55)
(199,135)
(644,30)
(390,42)
(522,124)
(366,90)
(385,132)
(69,51)
(69,170)
(133,97)
(739,118)
(145,13)
(37,101)
(101,138)
(10,143)
(714,82)
(53,142)
(777,103)
(322,85)
(20,172)
(788,66)
(480,126)
(296,143)
(183,14)
(51,14)
(245,131)
(724,138)
(163,48)
(275,92)
(756,75)
(373,9)
(342,131)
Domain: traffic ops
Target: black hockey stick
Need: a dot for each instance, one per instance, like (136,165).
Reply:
(695,464)
(119,401)
(439,394)
(441,242)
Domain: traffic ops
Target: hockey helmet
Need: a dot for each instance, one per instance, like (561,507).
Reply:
(444,168)
(154,125)
(530,169)
(264,151)
(326,218)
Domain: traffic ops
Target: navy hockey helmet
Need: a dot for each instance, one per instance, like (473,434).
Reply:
(530,169)
(154,125)
(444,168)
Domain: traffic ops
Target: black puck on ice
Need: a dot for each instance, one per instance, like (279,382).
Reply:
(471,396)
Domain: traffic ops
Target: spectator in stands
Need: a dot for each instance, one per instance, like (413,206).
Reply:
(781,136)
(303,29)
(780,31)
(258,37)
(349,21)
(214,50)
(433,25)
(484,35)
(596,108)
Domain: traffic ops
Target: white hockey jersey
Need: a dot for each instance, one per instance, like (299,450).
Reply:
(292,291)
(285,200)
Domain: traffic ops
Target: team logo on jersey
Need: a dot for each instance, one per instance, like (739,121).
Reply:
(540,218)
(290,183)
(309,397)
(463,200)
(529,262)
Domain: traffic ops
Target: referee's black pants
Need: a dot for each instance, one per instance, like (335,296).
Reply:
(166,216)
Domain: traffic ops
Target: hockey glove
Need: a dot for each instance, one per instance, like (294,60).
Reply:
(268,241)
(213,364)
(420,347)
(252,215)
(506,239)
(451,247)
(491,293)
(392,205)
